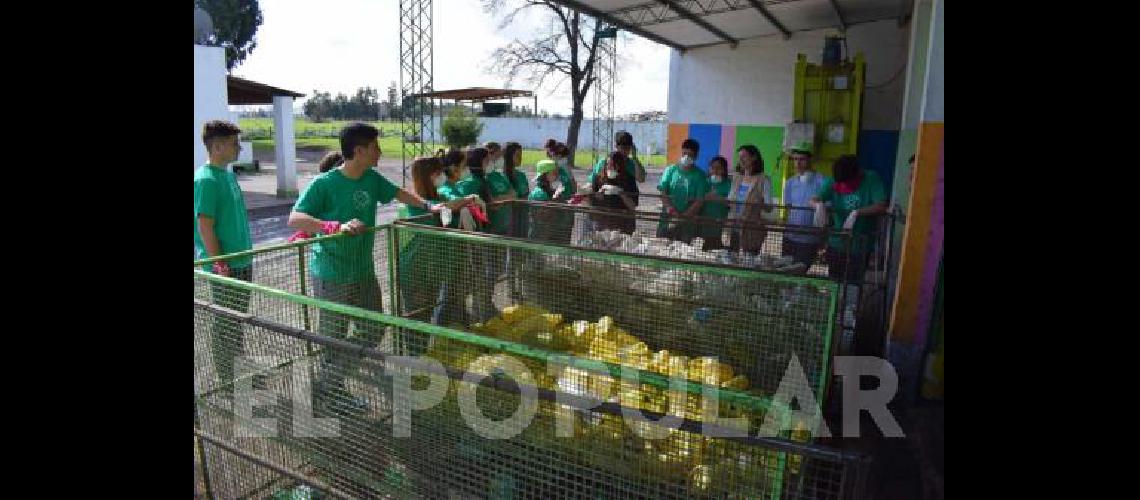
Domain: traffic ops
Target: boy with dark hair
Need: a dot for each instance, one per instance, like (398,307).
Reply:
(344,199)
(220,228)
(684,186)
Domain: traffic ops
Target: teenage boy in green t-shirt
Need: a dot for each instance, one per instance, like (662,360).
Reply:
(220,228)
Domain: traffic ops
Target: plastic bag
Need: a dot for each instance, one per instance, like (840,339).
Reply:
(820,219)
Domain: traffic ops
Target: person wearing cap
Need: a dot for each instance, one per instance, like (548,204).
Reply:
(548,224)
(798,192)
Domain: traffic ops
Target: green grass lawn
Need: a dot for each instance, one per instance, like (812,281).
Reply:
(323,136)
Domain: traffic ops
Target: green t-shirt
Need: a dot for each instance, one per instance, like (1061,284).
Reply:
(869,193)
(333,197)
(521,184)
(217,195)
(568,182)
(448,192)
(537,194)
(683,185)
(548,224)
(500,217)
(716,209)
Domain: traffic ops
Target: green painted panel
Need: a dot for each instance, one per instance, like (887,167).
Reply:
(769,140)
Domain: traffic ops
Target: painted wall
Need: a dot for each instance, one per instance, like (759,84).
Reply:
(754,85)
(210,96)
(533,132)
(920,194)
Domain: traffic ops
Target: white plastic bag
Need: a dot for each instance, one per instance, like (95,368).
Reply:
(820,219)
(445,216)
(466,221)
(850,222)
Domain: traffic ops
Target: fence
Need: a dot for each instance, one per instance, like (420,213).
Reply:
(273,317)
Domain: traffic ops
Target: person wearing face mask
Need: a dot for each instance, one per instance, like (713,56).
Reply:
(561,156)
(684,186)
(549,147)
(494,156)
(511,161)
(614,190)
(490,186)
(716,206)
(623,142)
(427,268)
(547,224)
(798,192)
(750,200)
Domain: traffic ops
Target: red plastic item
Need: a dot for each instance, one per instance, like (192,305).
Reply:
(478,215)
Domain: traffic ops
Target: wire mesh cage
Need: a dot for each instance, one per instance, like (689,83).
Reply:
(776,238)
(328,417)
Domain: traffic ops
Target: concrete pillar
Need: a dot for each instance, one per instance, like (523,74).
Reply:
(285,146)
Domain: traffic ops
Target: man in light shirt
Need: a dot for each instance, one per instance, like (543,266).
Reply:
(798,191)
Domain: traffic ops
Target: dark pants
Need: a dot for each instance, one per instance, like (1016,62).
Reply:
(228,339)
(364,294)
(803,253)
(849,267)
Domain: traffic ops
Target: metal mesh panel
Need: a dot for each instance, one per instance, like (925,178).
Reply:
(319,375)
(445,456)
(599,303)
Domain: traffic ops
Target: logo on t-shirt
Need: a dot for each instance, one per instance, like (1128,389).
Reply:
(851,202)
(361,200)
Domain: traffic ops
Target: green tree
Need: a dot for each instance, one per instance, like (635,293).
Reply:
(460,128)
(235,26)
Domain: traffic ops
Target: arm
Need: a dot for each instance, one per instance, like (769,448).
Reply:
(209,238)
(304,222)
(640,169)
(695,207)
(312,202)
(878,208)
(628,201)
(509,195)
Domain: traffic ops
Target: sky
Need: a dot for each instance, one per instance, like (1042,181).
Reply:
(341,45)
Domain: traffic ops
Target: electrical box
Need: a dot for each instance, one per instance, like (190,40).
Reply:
(797,133)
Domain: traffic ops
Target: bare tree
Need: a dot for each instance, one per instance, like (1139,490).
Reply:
(567,49)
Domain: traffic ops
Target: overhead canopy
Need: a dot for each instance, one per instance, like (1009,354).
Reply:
(686,24)
(242,91)
(476,94)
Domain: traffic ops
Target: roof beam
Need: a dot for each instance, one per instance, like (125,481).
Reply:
(586,9)
(839,14)
(687,14)
(772,19)
(647,14)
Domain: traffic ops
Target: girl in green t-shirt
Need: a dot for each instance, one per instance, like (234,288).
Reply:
(549,224)
(429,263)
(716,205)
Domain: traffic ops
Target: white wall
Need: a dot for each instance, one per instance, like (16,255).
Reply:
(210,98)
(533,132)
(754,83)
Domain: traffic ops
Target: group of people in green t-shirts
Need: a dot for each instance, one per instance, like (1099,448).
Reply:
(460,189)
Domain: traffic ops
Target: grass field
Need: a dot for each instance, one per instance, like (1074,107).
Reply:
(324,136)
